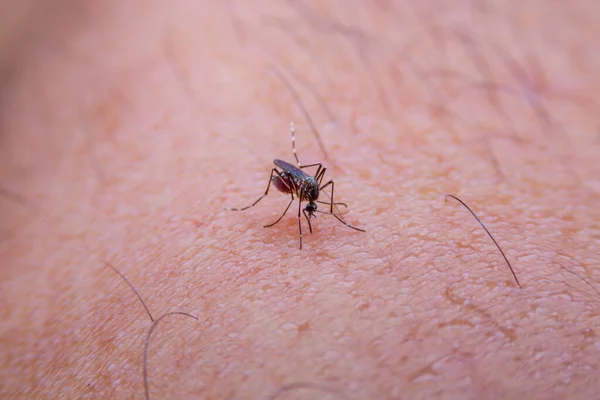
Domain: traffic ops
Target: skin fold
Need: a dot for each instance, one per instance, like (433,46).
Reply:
(127,128)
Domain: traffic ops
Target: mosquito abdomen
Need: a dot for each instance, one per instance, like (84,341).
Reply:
(281,185)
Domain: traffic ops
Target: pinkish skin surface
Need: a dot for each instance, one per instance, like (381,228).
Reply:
(127,128)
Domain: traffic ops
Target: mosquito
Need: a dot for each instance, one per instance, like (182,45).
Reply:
(292,180)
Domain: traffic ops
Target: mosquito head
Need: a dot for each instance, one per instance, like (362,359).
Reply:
(311,207)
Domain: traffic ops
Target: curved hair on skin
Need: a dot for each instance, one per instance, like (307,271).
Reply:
(303,385)
(587,282)
(154,324)
(147,344)
(109,265)
(489,234)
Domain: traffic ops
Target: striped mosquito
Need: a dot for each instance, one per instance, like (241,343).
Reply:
(292,180)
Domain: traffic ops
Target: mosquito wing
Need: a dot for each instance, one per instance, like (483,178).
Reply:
(291,170)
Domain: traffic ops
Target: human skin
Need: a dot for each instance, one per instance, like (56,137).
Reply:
(127,128)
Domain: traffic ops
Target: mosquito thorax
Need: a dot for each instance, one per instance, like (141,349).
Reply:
(311,190)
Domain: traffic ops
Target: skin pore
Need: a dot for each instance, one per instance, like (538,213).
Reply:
(127,128)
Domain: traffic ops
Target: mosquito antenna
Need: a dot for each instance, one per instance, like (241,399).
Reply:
(489,234)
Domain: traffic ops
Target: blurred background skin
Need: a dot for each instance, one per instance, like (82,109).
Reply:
(127,127)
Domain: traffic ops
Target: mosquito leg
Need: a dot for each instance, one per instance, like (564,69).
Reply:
(320,175)
(299,220)
(335,203)
(318,172)
(348,225)
(331,207)
(261,197)
(312,165)
(332,186)
(342,221)
(286,210)
(308,220)
(331,203)
(293,132)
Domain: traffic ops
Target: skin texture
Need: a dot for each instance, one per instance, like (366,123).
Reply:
(128,127)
